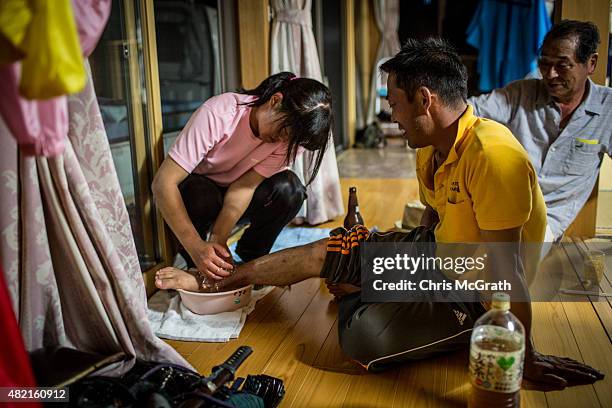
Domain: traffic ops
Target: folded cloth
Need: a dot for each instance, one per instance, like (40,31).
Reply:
(170,319)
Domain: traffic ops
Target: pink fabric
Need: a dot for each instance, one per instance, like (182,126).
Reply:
(41,126)
(219,143)
(91,17)
(67,249)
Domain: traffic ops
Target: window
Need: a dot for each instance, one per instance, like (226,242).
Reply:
(116,66)
(329,25)
(155,64)
(188,58)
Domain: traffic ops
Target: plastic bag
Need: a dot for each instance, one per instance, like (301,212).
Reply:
(53,64)
(15,17)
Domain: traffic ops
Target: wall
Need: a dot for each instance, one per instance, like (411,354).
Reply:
(254,38)
(597,11)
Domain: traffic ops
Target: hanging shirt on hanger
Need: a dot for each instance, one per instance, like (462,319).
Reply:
(43,69)
(508,35)
(44,37)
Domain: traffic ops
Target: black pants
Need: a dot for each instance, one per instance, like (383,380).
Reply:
(275,203)
(380,335)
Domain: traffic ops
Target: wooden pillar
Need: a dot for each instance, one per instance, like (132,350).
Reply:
(368,38)
(349,70)
(597,11)
(254,33)
(155,134)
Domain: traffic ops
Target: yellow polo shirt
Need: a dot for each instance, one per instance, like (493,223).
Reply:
(486,183)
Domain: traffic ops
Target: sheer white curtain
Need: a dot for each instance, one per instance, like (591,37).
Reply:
(293,48)
(386,13)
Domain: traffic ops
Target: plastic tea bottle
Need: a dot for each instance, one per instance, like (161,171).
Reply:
(497,354)
(353,216)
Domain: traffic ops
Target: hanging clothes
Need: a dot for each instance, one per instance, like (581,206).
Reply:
(15,17)
(45,33)
(387,15)
(293,48)
(91,17)
(40,127)
(49,38)
(67,248)
(508,35)
(15,369)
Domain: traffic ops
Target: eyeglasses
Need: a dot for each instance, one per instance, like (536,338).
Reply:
(559,66)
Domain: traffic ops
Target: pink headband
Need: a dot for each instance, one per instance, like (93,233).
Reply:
(295,77)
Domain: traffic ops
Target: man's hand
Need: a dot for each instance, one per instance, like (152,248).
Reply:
(429,217)
(210,259)
(550,373)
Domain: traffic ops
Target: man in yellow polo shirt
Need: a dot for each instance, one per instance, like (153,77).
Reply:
(487,183)
(479,187)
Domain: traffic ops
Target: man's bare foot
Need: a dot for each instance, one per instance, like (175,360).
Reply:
(341,289)
(173,278)
(193,281)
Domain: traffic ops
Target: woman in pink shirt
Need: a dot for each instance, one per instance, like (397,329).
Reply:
(230,163)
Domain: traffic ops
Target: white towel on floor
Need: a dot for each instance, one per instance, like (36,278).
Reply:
(170,319)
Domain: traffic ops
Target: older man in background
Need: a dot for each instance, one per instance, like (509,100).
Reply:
(563,120)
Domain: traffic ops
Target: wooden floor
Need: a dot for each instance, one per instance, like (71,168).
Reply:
(293,333)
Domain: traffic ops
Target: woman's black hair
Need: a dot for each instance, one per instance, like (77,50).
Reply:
(306,113)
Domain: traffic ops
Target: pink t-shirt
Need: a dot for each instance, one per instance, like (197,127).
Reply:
(218,142)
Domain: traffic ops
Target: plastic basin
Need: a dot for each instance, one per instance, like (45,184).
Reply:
(218,302)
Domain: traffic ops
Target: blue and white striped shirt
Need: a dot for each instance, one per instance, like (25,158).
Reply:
(566,160)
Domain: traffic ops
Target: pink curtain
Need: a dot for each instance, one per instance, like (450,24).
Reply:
(293,48)
(66,245)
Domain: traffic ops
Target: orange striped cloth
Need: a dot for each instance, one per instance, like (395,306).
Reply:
(343,263)
(341,240)
(343,260)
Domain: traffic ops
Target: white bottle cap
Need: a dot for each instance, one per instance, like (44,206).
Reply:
(501,301)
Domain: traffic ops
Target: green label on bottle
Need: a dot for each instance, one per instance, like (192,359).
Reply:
(493,370)
(506,363)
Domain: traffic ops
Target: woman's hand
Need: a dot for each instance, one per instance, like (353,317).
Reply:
(551,373)
(223,242)
(210,259)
